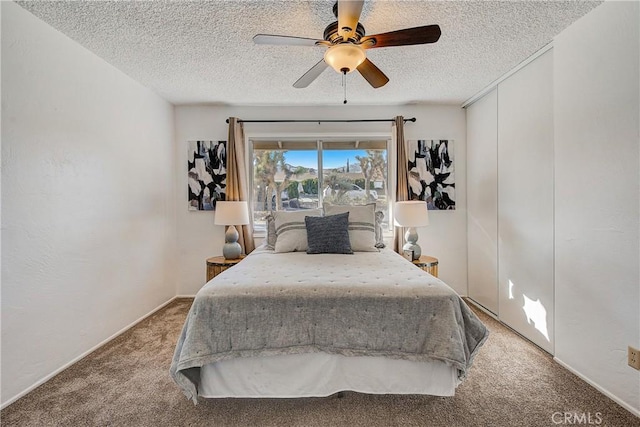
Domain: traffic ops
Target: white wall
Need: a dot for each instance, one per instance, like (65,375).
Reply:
(597,197)
(199,239)
(88,214)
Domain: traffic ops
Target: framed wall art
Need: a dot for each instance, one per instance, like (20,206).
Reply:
(431,173)
(207,176)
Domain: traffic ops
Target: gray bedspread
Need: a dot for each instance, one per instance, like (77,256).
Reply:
(369,303)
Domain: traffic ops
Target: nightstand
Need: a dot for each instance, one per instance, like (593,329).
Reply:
(218,264)
(428,264)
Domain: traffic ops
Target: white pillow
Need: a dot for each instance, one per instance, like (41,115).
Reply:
(291,231)
(362,225)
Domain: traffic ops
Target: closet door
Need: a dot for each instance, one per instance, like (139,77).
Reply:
(525,201)
(482,201)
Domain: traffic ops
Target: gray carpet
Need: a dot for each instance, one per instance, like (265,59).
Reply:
(126,383)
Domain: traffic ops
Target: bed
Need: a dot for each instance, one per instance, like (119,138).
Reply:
(290,324)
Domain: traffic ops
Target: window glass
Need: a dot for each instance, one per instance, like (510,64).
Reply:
(355,177)
(297,175)
(283,180)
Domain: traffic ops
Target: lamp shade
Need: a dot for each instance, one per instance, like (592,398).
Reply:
(231,213)
(345,57)
(413,213)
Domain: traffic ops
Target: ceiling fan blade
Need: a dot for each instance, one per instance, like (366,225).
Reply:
(308,77)
(285,40)
(372,74)
(348,15)
(408,36)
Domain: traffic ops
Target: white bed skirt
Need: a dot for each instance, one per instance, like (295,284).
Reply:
(321,374)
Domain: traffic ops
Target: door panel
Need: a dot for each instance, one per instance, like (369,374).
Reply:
(482,201)
(525,201)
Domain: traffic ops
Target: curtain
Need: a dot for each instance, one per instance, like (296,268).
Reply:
(402,179)
(237,179)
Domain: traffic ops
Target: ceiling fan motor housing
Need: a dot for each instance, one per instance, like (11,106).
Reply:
(331,33)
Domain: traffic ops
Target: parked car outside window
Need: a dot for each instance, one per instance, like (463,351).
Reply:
(353,192)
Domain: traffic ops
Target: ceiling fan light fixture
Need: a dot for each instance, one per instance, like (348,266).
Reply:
(345,57)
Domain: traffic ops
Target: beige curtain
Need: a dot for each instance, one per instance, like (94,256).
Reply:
(402,179)
(237,179)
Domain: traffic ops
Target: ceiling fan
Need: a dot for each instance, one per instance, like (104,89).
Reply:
(346,44)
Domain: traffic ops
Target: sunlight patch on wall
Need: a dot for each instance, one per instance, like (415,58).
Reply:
(536,314)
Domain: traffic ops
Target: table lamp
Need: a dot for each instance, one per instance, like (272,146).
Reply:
(412,214)
(231,214)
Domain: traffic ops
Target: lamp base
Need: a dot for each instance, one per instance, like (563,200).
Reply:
(411,236)
(231,248)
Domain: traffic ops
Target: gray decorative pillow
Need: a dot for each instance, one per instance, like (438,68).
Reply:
(328,234)
(291,232)
(379,231)
(362,231)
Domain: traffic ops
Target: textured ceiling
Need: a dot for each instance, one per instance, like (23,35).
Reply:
(202,51)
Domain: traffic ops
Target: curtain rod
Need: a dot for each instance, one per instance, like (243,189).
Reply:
(413,119)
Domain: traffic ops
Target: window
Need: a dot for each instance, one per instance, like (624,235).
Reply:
(304,174)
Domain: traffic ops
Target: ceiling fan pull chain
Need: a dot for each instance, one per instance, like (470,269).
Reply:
(344,85)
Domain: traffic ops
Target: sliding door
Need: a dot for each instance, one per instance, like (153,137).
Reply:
(525,201)
(482,201)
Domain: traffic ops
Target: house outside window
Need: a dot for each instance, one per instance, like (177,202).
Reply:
(299,174)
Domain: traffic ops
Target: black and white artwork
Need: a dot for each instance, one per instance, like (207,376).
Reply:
(431,177)
(207,165)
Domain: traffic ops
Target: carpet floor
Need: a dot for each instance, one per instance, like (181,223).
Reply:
(127,383)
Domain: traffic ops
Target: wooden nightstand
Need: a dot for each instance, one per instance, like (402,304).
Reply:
(218,264)
(428,264)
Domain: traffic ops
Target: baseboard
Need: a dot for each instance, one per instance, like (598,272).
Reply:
(602,390)
(482,308)
(184,296)
(85,354)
